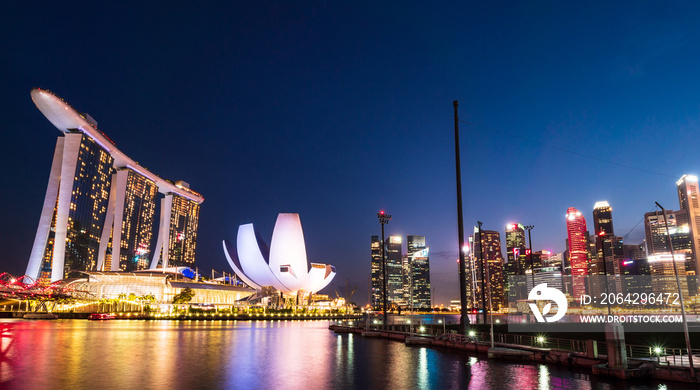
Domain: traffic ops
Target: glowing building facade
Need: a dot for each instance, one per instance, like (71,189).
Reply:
(418,259)
(376,290)
(178,228)
(131,211)
(283,265)
(516,254)
(490,243)
(688,193)
(98,201)
(394,271)
(578,251)
(608,247)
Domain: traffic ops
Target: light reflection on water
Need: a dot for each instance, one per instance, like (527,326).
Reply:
(252,355)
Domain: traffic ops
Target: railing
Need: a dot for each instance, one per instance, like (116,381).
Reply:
(672,357)
(456,338)
(669,357)
(537,341)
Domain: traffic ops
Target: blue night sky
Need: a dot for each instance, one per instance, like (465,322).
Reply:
(336,110)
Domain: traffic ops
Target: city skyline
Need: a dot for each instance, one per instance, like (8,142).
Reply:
(337,111)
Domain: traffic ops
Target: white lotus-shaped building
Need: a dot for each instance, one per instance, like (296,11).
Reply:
(283,265)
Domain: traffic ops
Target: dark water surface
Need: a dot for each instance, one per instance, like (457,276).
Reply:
(70,354)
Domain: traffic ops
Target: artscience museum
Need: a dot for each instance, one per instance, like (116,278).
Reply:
(283,265)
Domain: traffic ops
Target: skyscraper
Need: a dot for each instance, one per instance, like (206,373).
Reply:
(180,227)
(517,264)
(131,209)
(655,231)
(576,231)
(608,248)
(659,251)
(376,291)
(76,198)
(394,274)
(605,238)
(492,257)
(688,199)
(99,203)
(419,272)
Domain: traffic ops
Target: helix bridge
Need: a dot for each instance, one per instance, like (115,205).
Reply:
(25,287)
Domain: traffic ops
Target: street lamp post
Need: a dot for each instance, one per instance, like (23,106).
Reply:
(384,219)
(680,295)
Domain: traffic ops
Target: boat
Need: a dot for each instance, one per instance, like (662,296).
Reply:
(101,316)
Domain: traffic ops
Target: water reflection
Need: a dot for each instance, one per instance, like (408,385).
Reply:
(251,355)
(544,377)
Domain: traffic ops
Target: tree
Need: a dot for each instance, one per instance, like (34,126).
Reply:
(184,296)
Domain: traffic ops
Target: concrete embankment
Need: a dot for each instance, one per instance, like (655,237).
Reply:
(597,363)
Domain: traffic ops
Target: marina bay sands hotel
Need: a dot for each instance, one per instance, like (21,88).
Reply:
(100,205)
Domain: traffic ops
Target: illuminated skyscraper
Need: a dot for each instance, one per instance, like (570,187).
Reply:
(576,231)
(394,274)
(516,253)
(659,250)
(688,199)
(178,224)
(376,292)
(471,274)
(492,257)
(419,265)
(605,238)
(131,207)
(74,208)
(608,247)
(655,231)
(98,201)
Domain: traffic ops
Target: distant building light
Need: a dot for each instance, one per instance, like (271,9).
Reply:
(665,257)
(601,204)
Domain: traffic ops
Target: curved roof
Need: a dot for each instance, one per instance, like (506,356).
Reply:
(284,266)
(66,118)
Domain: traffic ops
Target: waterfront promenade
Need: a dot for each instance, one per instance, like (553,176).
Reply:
(667,364)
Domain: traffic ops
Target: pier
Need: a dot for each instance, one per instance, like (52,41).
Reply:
(643,362)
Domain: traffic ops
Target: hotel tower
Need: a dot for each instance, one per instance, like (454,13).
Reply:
(100,205)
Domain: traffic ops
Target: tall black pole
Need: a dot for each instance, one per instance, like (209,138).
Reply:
(605,265)
(383,219)
(483,279)
(680,295)
(532,264)
(464,318)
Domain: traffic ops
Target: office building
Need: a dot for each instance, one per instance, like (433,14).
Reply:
(418,260)
(578,250)
(490,243)
(394,274)
(376,275)
(517,265)
(608,248)
(688,200)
